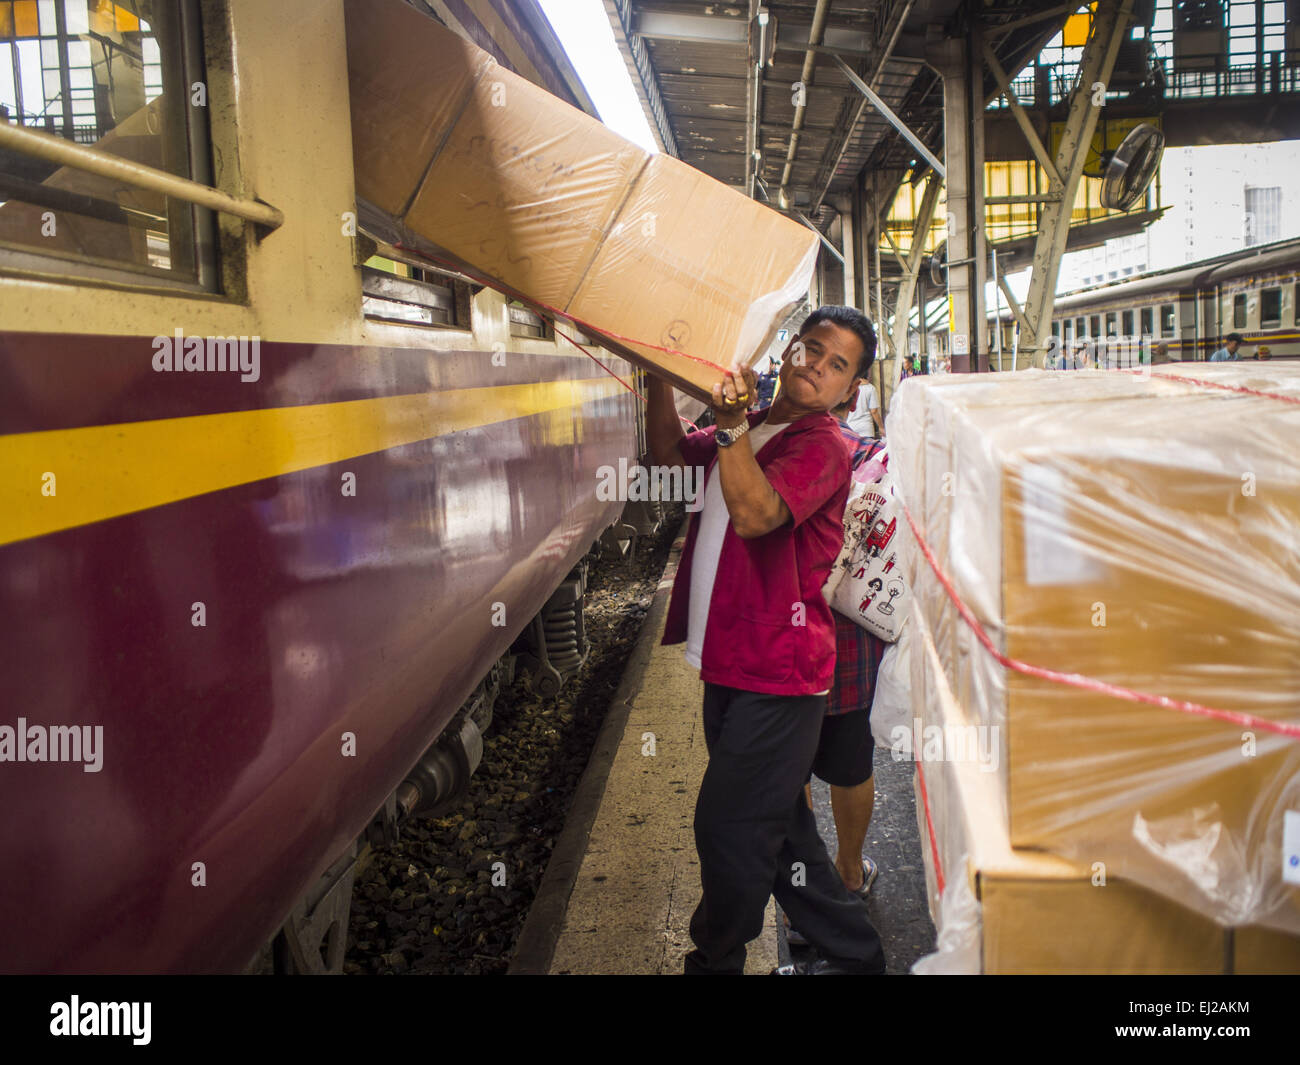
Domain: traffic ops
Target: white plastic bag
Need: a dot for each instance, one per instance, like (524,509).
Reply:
(891,705)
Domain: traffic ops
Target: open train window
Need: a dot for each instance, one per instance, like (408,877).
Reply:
(1067,331)
(116,77)
(1094,325)
(525,322)
(1126,320)
(1079,331)
(1270,308)
(1168,320)
(1147,317)
(1239,311)
(398,292)
(1112,323)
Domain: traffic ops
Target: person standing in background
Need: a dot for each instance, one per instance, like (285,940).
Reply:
(865,417)
(1228,353)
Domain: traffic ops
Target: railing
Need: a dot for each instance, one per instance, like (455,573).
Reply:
(1188,77)
(95,161)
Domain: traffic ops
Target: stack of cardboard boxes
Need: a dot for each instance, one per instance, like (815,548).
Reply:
(676,271)
(1141,533)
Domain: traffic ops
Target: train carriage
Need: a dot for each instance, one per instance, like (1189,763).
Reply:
(274,497)
(1189,309)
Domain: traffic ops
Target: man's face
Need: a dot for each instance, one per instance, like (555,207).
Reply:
(1233,345)
(820,368)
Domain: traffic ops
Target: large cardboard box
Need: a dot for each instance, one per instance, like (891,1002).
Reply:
(1143,534)
(1015,911)
(673,269)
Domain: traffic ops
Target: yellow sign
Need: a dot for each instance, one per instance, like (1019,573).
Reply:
(1107,137)
(1077,27)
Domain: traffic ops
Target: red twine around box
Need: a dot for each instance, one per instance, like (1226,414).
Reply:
(1077,680)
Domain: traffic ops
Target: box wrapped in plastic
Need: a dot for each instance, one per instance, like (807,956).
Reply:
(1142,533)
(1016,911)
(676,271)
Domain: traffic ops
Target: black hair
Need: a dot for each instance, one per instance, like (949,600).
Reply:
(855,322)
(1234,336)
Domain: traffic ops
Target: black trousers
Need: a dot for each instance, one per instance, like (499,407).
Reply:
(756,836)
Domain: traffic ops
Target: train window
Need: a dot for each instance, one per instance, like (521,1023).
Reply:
(1147,317)
(1079,330)
(1270,308)
(1112,323)
(527,323)
(1068,330)
(1094,325)
(1239,311)
(1056,330)
(1295,305)
(114,77)
(1127,321)
(1168,320)
(396,292)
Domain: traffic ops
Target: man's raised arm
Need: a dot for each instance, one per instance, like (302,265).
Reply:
(663,426)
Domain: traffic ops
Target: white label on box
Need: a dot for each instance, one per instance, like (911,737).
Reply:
(959,344)
(1052,555)
(1291,847)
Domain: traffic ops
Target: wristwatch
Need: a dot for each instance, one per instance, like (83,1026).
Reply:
(727,437)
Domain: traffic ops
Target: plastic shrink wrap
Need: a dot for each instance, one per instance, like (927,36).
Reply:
(1119,530)
(511,183)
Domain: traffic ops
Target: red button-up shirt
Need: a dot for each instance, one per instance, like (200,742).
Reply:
(769,629)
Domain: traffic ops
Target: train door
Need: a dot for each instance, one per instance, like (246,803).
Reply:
(1187,327)
(1207,325)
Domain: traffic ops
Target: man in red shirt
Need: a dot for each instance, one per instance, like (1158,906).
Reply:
(747,601)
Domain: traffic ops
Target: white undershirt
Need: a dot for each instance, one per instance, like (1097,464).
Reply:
(714,519)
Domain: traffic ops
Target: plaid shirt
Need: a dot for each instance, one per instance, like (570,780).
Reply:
(857,652)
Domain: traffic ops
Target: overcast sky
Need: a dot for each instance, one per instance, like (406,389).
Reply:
(584,30)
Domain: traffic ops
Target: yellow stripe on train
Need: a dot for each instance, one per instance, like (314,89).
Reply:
(105,471)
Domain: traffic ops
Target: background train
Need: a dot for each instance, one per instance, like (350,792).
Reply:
(1254,292)
(278,571)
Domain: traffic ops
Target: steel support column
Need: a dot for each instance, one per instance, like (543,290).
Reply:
(907,284)
(849,247)
(963,153)
(1109,25)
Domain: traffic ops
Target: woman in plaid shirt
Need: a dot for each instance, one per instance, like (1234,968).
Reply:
(844,752)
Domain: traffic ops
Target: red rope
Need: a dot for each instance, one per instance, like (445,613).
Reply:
(612,374)
(1229,388)
(929,826)
(1076,680)
(1200,381)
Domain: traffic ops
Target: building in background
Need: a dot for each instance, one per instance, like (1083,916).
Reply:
(1221,198)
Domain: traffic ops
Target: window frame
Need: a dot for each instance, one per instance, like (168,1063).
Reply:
(1240,310)
(192,138)
(1276,320)
(430,291)
(1170,330)
(520,316)
(1147,321)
